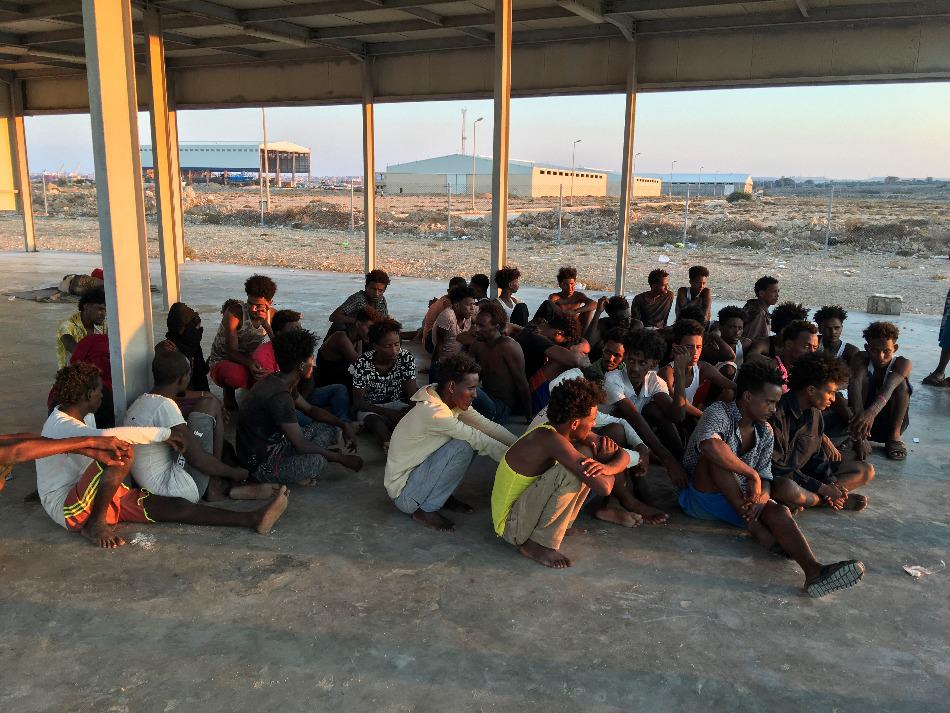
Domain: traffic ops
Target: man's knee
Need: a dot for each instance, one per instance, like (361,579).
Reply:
(614,432)
(774,513)
(866,469)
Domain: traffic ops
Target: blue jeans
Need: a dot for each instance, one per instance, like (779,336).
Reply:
(491,408)
(432,481)
(335,398)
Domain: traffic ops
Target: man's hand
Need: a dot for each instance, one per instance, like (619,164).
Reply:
(753,506)
(257,371)
(593,468)
(643,464)
(108,450)
(681,359)
(862,449)
(860,426)
(677,475)
(834,495)
(605,448)
(347,460)
(602,303)
(831,451)
(349,440)
(176,441)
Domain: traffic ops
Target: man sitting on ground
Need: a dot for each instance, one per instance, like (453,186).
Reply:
(434,444)
(782,316)
(804,475)
(504,386)
(22,447)
(88,496)
(185,332)
(547,352)
(729,459)
(879,393)
(544,478)
(796,340)
(452,328)
(725,346)
(508,281)
(569,302)
(198,472)
(479,285)
(271,444)
(372,295)
(90,318)
(341,349)
(696,293)
(653,306)
(244,327)
(757,318)
(830,320)
(618,317)
(436,307)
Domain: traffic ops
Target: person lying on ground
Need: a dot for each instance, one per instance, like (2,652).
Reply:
(636,393)
(90,318)
(504,389)
(696,293)
(372,295)
(88,496)
(244,327)
(622,506)
(804,475)
(569,302)
(879,393)
(544,478)
(938,376)
(271,444)
(729,460)
(782,316)
(341,349)
(434,444)
(453,328)
(508,280)
(198,472)
(479,285)
(757,318)
(436,307)
(546,346)
(185,332)
(334,398)
(384,380)
(618,317)
(830,320)
(725,345)
(795,340)
(653,307)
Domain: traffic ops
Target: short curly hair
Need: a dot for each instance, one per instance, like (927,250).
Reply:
(506,275)
(617,303)
(94,296)
(368,314)
(882,330)
(731,312)
(480,280)
(617,335)
(284,317)
(378,276)
(455,368)
(693,312)
(656,276)
(293,347)
(754,375)
(650,344)
(494,310)
(566,273)
(574,398)
(457,294)
(260,286)
(686,328)
(817,369)
(570,326)
(831,312)
(74,382)
(697,271)
(764,283)
(381,328)
(799,326)
(786,313)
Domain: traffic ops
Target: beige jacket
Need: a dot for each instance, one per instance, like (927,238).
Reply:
(429,426)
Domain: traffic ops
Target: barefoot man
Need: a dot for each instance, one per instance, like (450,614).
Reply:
(88,496)
(544,478)
(504,389)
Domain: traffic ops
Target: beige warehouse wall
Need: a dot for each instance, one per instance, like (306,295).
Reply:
(642,188)
(545,184)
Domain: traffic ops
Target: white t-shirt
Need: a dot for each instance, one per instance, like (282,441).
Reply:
(157,467)
(55,475)
(617,385)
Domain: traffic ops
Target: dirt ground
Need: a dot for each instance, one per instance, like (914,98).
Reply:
(879,244)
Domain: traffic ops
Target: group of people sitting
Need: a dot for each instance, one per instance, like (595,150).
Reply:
(739,412)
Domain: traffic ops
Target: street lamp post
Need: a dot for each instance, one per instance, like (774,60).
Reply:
(573,155)
(474,126)
(699,183)
(672,163)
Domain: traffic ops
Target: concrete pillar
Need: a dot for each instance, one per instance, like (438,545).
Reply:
(113,107)
(14,164)
(277,158)
(626,177)
(369,169)
(178,214)
(293,170)
(161,151)
(499,178)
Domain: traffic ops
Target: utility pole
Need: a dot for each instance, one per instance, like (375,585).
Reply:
(672,163)
(352,217)
(686,215)
(560,203)
(699,183)
(573,155)
(266,162)
(45,203)
(448,214)
(464,114)
(474,153)
(831,200)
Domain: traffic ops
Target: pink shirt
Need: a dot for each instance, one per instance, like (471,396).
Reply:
(264,355)
(432,314)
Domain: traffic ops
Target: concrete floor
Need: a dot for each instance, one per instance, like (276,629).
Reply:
(348,606)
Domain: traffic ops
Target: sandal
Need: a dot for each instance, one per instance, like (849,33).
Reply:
(896,450)
(934,380)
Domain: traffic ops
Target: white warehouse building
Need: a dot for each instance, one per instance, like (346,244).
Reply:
(526,179)
(201,157)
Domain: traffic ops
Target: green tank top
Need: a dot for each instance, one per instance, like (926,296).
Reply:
(508,487)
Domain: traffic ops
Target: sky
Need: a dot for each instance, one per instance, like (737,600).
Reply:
(852,131)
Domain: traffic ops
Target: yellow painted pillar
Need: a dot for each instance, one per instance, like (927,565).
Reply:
(627,180)
(113,107)
(369,169)
(178,214)
(499,178)
(14,165)
(161,153)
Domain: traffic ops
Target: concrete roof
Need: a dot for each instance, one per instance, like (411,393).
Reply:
(286,146)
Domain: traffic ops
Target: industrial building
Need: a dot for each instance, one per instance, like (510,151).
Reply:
(525,178)
(702,184)
(223,157)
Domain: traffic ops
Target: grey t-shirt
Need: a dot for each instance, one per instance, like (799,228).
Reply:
(268,405)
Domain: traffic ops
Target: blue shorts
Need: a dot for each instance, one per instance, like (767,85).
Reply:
(945,325)
(709,506)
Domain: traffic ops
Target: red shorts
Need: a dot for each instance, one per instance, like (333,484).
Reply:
(128,504)
(229,374)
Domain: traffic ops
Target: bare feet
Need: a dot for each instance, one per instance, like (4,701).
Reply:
(307,483)
(217,490)
(856,502)
(270,513)
(103,536)
(650,514)
(254,491)
(544,555)
(433,520)
(455,505)
(351,461)
(618,516)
